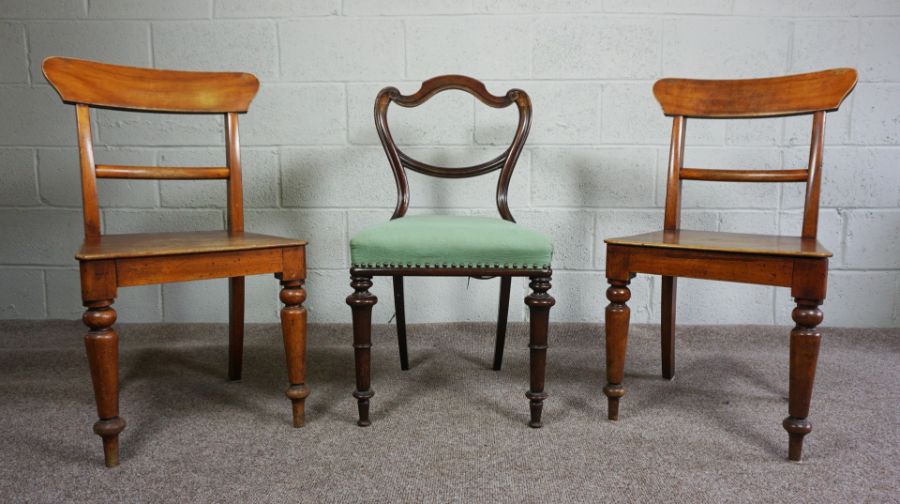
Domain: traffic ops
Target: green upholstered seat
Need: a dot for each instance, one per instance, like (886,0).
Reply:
(423,241)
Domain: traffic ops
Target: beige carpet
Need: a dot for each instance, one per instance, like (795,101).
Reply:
(450,429)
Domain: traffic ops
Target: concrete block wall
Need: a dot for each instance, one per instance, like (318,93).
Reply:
(594,166)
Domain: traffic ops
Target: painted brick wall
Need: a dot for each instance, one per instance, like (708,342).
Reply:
(594,165)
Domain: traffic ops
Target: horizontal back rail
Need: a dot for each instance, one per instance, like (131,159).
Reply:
(161,172)
(444,172)
(798,175)
(148,89)
(766,97)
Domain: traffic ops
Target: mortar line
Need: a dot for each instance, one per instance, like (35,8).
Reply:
(150,44)
(27,41)
(46,290)
(37,176)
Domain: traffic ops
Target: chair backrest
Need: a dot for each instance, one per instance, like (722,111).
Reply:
(400,161)
(89,84)
(803,94)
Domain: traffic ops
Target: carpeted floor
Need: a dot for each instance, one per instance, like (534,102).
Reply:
(450,429)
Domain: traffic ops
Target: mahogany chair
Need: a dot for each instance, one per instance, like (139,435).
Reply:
(108,262)
(800,263)
(442,245)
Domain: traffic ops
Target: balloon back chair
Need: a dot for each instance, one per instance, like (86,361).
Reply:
(442,245)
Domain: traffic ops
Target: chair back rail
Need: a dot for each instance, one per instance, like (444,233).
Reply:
(88,84)
(400,161)
(767,97)
(130,88)
(162,172)
(799,175)
(805,94)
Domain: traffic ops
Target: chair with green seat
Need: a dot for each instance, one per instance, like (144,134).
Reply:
(443,245)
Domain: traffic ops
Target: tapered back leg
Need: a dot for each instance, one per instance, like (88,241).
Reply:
(502,316)
(235,327)
(400,311)
(669,287)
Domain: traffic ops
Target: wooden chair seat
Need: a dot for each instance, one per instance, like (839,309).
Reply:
(714,241)
(119,246)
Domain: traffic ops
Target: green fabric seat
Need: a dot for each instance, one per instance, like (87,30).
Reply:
(423,241)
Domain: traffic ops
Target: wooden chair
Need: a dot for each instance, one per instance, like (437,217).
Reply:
(800,263)
(108,262)
(435,245)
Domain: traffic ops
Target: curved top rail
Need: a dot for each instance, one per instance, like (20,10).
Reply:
(766,97)
(133,88)
(441,83)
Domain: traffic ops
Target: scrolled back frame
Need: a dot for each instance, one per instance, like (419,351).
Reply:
(400,161)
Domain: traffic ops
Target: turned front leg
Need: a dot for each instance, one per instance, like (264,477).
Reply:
(805,340)
(539,303)
(102,344)
(617,315)
(293,330)
(361,302)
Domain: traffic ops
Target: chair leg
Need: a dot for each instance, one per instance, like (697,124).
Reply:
(669,287)
(102,345)
(617,315)
(805,340)
(539,303)
(235,327)
(400,310)
(502,316)
(293,330)
(361,302)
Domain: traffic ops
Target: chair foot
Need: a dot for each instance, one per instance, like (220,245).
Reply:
(362,404)
(617,317)
(298,394)
(613,394)
(536,404)
(361,303)
(109,430)
(797,428)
